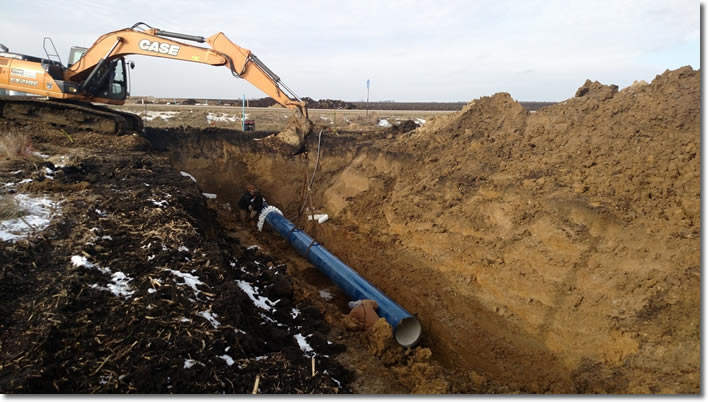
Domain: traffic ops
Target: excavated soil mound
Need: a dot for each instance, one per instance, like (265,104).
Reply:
(579,223)
(548,251)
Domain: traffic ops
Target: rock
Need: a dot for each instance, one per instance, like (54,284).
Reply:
(380,336)
(281,288)
(423,355)
(594,89)
(580,188)
(476,379)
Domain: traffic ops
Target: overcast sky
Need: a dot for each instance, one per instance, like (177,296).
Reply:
(410,50)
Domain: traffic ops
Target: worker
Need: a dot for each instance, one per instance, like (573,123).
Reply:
(244,203)
(257,204)
(364,313)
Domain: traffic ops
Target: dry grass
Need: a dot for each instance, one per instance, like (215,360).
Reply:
(9,209)
(15,145)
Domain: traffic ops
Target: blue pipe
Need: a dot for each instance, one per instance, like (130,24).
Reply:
(406,327)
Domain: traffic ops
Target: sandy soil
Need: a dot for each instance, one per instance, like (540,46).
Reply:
(547,252)
(555,251)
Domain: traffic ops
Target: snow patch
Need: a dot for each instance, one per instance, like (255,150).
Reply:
(384,123)
(152,115)
(81,261)
(119,285)
(119,281)
(189,363)
(185,174)
(302,342)
(161,203)
(259,301)
(220,117)
(38,212)
(210,317)
(189,280)
(229,361)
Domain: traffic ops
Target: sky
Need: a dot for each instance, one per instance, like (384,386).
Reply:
(410,51)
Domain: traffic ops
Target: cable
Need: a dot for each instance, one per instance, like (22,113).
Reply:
(308,190)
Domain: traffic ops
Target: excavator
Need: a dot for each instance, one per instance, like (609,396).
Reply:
(69,95)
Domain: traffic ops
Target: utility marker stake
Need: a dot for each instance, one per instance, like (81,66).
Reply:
(255,385)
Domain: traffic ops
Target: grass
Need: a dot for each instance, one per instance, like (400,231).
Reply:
(9,209)
(15,146)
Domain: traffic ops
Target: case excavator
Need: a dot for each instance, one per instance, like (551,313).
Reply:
(68,95)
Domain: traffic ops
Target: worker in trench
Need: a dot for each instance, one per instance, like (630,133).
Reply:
(251,204)
(244,203)
(257,204)
(363,315)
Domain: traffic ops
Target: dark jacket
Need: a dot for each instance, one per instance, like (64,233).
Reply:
(245,201)
(258,203)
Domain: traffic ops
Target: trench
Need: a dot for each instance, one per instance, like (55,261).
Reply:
(469,336)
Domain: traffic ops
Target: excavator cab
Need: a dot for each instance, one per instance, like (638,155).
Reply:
(109,82)
(115,84)
(75,54)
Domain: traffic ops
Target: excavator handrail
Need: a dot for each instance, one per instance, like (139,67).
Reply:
(158,43)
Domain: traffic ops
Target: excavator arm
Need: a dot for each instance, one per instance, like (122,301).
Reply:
(158,43)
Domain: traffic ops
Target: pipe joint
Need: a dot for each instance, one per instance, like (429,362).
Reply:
(264,213)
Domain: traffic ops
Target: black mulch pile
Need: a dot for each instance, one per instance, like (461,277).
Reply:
(133,288)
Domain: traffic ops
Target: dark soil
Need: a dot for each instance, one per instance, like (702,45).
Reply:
(63,331)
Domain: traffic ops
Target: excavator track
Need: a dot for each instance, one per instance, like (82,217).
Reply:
(69,114)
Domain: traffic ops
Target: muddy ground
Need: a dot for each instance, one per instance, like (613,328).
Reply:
(554,251)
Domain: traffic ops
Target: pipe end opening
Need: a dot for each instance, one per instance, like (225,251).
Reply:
(408,332)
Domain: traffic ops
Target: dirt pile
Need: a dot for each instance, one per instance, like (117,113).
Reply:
(584,223)
(403,127)
(328,104)
(553,251)
(134,287)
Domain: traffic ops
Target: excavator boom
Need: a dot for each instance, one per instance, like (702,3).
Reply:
(158,43)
